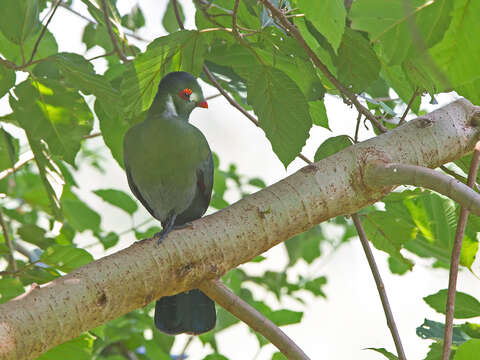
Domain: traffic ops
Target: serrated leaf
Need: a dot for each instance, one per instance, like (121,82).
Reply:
(65,257)
(328,17)
(466,306)
(182,50)
(19,19)
(332,146)
(118,198)
(282,111)
(357,64)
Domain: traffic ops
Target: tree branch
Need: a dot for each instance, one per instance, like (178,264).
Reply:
(8,241)
(223,296)
(410,103)
(107,288)
(390,174)
(455,259)
(288,26)
(380,287)
(119,52)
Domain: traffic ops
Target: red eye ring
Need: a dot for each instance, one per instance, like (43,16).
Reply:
(185,94)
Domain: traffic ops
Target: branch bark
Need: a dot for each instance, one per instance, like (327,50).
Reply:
(114,285)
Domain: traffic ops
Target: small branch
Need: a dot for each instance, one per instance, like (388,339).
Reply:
(379,174)
(410,103)
(176,10)
(323,68)
(18,271)
(357,128)
(91,136)
(9,243)
(380,287)
(185,347)
(119,52)
(101,56)
(223,296)
(35,48)
(455,259)
(18,165)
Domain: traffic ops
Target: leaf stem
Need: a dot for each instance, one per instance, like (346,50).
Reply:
(119,52)
(380,286)
(223,296)
(455,259)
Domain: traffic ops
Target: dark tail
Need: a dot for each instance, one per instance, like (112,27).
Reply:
(190,312)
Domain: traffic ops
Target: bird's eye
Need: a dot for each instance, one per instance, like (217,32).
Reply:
(185,94)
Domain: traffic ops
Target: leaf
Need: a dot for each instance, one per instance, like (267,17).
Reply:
(78,214)
(398,81)
(10,288)
(9,149)
(34,235)
(434,330)
(332,146)
(305,246)
(111,239)
(385,353)
(48,111)
(65,257)
(401,27)
(7,80)
(282,111)
(182,50)
(328,17)
(135,19)
(285,317)
(458,54)
(278,356)
(13,52)
(19,19)
(318,113)
(357,64)
(118,198)
(466,306)
(468,350)
(169,21)
(79,348)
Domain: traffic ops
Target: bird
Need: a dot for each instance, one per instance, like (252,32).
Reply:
(169,169)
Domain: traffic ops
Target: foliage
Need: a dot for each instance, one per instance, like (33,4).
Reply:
(411,47)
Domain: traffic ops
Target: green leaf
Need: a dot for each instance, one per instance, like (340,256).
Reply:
(182,50)
(118,198)
(34,235)
(135,19)
(357,64)
(282,111)
(79,215)
(169,20)
(19,19)
(111,239)
(9,149)
(278,356)
(305,245)
(434,330)
(458,54)
(328,17)
(315,286)
(398,81)
(435,352)
(215,357)
(10,288)
(7,80)
(401,27)
(332,146)
(48,111)
(65,257)
(13,52)
(388,233)
(79,348)
(385,353)
(285,317)
(318,113)
(466,306)
(468,350)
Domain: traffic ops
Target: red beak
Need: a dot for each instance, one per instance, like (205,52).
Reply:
(203,104)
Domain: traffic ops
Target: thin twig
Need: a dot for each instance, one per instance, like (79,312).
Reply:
(13,169)
(455,259)
(119,52)
(35,47)
(90,136)
(8,241)
(410,103)
(18,271)
(223,296)
(357,128)
(185,347)
(457,176)
(380,286)
(101,56)
(287,25)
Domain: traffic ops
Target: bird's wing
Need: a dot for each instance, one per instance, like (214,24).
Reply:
(137,193)
(205,179)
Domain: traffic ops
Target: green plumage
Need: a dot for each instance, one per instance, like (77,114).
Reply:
(169,169)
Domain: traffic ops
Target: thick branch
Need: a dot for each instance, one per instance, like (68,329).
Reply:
(253,318)
(114,285)
(388,174)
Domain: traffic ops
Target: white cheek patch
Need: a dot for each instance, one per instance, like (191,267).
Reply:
(194,97)
(170,106)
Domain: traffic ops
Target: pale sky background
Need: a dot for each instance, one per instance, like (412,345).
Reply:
(351,318)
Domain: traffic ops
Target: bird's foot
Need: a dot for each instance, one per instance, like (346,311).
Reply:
(166,229)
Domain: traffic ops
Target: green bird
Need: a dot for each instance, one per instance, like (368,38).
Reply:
(169,169)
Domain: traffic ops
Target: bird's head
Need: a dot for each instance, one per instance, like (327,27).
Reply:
(179,93)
